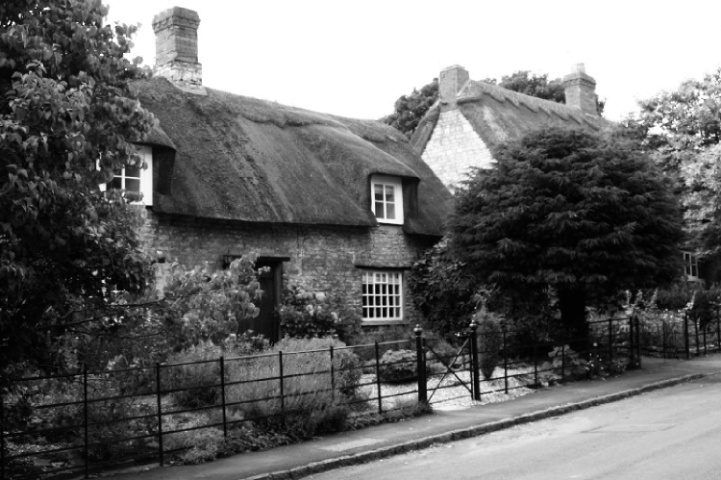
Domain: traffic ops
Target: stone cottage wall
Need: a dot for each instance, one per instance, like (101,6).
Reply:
(319,259)
(454,147)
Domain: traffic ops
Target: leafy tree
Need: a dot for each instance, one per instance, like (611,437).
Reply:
(682,130)
(66,121)
(579,212)
(523,81)
(410,109)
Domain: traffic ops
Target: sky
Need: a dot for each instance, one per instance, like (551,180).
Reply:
(355,58)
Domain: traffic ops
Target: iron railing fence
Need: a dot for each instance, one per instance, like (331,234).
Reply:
(85,422)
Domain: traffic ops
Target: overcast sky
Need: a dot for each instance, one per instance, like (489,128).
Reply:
(355,58)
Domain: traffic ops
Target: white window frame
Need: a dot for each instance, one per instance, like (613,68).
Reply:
(690,265)
(387,184)
(146,176)
(382,296)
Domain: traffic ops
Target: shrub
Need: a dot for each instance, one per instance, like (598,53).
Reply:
(307,315)
(398,366)
(442,291)
(309,402)
(194,381)
(200,379)
(490,341)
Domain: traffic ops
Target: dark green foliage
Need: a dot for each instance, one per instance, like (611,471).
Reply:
(409,109)
(706,302)
(490,341)
(442,290)
(580,212)
(65,110)
(398,366)
(523,81)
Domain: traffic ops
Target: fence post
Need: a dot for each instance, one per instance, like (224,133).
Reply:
(2,438)
(631,346)
(686,343)
(703,332)
(332,375)
(85,420)
(421,366)
(505,359)
(222,395)
(695,329)
(475,373)
(535,360)
(160,414)
(378,377)
(282,388)
(638,342)
(610,340)
(664,335)
(718,326)
(563,361)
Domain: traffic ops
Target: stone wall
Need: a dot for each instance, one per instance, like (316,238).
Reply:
(454,147)
(317,258)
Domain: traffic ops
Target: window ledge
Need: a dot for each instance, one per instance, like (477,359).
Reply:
(375,323)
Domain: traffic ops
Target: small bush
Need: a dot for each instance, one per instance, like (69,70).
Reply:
(309,402)
(200,381)
(490,341)
(398,366)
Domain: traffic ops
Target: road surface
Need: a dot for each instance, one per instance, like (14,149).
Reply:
(673,433)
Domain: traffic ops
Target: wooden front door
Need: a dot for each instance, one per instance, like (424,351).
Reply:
(266,323)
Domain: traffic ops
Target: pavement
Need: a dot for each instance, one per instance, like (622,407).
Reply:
(374,443)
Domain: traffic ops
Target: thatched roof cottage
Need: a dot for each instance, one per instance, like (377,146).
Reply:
(470,118)
(331,204)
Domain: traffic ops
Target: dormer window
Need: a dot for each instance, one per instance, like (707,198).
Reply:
(387,199)
(136,180)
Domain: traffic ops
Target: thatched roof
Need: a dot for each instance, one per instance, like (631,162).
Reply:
(244,159)
(498,114)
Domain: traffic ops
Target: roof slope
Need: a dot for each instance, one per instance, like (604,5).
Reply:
(244,159)
(498,114)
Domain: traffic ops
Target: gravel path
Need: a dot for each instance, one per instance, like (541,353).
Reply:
(453,392)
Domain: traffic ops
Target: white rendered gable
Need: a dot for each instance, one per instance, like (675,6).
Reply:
(454,147)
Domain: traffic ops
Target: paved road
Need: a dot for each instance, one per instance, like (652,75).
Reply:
(673,433)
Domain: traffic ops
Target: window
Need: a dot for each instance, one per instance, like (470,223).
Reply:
(382,296)
(690,265)
(387,199)
(135,179)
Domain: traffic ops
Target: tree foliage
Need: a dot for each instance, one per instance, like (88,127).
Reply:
(442,291)
(410,109)
(576,211)
(523,81)
(682,130)
(66,120)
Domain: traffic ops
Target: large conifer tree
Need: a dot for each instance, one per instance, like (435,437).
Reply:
(580,212)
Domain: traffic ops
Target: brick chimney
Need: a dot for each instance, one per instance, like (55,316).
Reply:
(580,90)
(451,80)
(176,47)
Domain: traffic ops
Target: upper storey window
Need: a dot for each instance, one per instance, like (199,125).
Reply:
(387,199)
(136,180)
